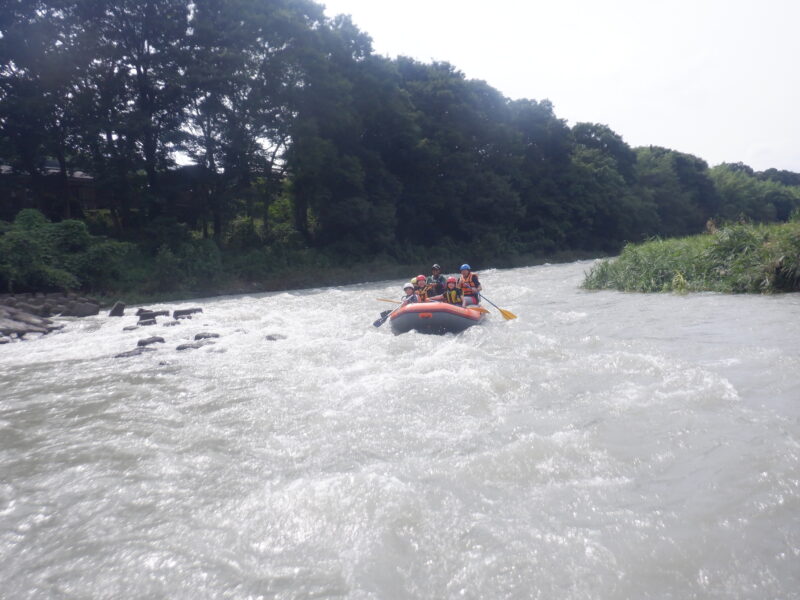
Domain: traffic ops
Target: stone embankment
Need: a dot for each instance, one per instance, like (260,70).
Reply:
(23,314)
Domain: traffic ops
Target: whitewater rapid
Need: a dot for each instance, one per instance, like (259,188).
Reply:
(601,445)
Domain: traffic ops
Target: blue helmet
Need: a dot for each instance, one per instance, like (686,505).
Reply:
(465,266)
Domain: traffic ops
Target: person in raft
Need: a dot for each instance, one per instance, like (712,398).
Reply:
(410,294)
(436,281)
(421,287)
(470,286)
(452,294)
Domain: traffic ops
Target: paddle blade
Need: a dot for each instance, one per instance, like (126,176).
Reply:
(507,315)
(384,315)
(480,309)
(387,300)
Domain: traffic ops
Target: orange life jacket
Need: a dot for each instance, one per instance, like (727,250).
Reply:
(422,292)
(466,284)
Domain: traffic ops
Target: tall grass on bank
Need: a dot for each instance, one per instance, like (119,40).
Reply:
(741,258)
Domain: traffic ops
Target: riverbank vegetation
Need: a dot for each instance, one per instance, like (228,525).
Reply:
(738,258)
(185,146)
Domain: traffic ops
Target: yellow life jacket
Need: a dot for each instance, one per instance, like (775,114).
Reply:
(453,296)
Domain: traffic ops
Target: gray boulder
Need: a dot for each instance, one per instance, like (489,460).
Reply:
(206,336)
(33,308)
(195,345)
(185,312)
(130,328)
(117,310)
(14,321)
(147,322)
(152,314)
(80,309)
(151,340)
(274,337)
(134,352)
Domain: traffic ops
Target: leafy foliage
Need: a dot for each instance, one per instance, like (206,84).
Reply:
(736,259)
(306,149)
(39,255)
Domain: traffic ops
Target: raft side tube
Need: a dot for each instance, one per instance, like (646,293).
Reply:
(434,318)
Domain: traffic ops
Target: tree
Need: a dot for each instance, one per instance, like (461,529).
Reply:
(137,53)
(35,77)
(248,61)
(743,194)
(680,187)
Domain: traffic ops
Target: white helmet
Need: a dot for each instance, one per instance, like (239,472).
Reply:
(408,285)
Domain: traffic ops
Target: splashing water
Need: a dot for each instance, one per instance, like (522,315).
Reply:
(602,445)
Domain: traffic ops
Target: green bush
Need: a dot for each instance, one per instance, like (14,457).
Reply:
(103,264)
(27,264)
(70,236)
(29,219)
(41,256)
(740,258)
(166,269)
(244,234)
(200,262)
(196,265)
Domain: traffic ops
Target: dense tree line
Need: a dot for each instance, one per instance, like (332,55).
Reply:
(255,134)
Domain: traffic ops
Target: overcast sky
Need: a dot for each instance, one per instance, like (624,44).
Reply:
(716,78)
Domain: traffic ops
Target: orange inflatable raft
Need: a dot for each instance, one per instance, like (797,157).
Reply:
(434,317)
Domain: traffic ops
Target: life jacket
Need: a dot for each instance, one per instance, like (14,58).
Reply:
(412,297)
(453,296)
(466,284)
(422,293)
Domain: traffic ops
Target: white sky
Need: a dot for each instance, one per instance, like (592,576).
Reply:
(719,79)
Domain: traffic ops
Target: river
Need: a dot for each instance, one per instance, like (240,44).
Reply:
(601,445)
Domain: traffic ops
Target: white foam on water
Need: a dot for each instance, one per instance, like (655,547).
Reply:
(600,445)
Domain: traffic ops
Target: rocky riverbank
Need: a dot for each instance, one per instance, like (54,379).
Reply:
(64,304)
(23,314)
(15,323)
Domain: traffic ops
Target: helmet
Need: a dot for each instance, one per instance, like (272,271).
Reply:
(451,280)
(421,278)
(465,266)
(408,285)
(436,266)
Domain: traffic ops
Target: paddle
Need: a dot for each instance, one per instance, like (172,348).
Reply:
(479,309)
(384,315)
(387,300)
(507,315)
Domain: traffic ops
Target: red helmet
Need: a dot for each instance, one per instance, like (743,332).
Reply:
(421,278)
(451,280)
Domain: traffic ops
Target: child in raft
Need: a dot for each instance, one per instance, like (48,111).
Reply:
(451,295)
(410,296)
(421,287)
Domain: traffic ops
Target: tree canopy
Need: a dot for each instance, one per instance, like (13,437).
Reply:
(265,126)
